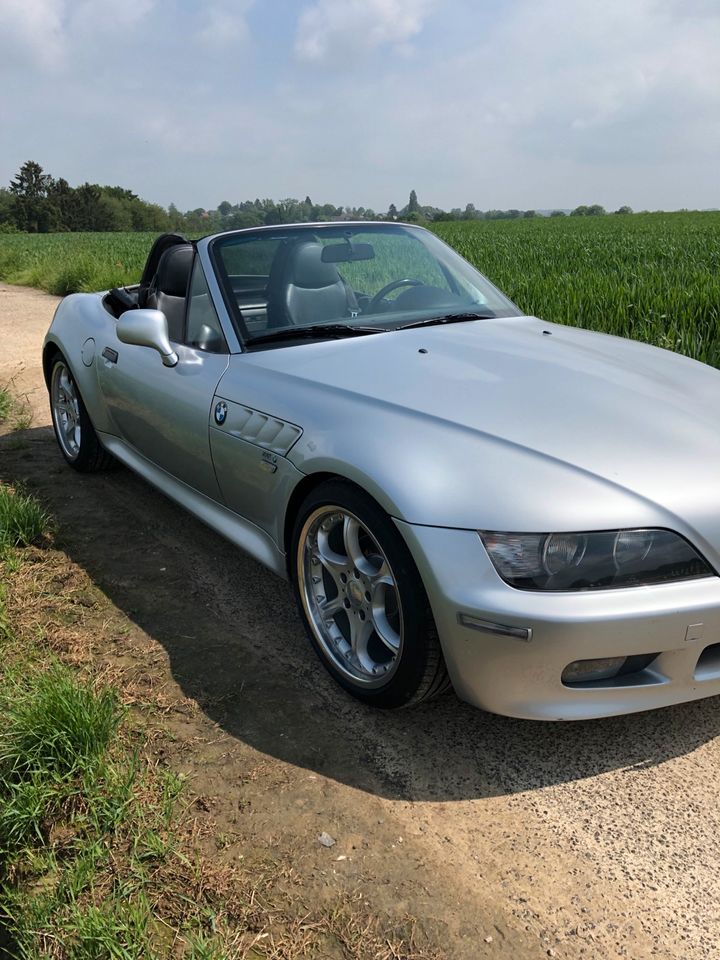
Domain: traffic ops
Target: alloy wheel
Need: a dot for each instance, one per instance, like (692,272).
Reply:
(350,596)
(66,410)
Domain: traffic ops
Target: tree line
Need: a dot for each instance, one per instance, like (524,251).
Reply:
(36,202)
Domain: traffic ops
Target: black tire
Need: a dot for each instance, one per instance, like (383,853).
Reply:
(419,671)
(90,456)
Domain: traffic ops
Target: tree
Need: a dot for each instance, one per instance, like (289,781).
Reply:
(392,212)
(175,218)
(558,213)
(62,198)
(30,183)
(30,189)
(624,210)
(224,208)
(413,205)
(7,208)
(529,214)
(593,211)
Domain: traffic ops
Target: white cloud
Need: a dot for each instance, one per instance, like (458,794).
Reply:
(34,28)
(225,24)
(53,32)
(329,30)
(510,103)
(87,18)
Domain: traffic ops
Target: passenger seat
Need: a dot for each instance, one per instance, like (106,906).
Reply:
(169,287)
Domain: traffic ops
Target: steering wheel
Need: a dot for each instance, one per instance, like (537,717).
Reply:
(388,288)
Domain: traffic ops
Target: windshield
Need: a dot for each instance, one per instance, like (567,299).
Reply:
(294,281)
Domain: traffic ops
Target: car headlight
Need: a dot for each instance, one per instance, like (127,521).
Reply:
(593,561)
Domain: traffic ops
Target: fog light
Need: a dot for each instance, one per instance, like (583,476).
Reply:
(583,671)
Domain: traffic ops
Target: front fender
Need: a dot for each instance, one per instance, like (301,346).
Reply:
(447,476)
(424,469)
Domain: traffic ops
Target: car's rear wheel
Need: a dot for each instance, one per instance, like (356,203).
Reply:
(362,599)
(74,432)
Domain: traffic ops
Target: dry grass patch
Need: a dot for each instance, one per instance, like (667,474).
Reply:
(104,851)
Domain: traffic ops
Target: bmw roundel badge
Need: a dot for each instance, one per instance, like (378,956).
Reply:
(220,412)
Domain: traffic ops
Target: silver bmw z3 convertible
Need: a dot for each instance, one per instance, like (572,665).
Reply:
(460,494)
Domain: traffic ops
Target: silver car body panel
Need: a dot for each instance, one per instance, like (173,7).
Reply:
(508,424)
(255,482)
(164,410)
(237,529)
(522,679)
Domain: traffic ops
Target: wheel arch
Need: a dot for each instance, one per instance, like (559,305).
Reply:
(302,489)
(50,351)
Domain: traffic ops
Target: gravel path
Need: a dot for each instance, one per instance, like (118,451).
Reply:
(596,840)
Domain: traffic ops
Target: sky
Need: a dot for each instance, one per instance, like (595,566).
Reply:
(500,103)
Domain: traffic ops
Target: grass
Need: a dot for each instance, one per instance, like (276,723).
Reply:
(6,403)
(54,735)
(63,263)
(15,411)
(22,519)
(103,855)
(653,277)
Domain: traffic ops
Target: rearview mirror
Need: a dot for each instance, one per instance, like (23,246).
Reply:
(347,252)
(147,328)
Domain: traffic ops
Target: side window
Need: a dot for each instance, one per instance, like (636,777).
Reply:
(203,327)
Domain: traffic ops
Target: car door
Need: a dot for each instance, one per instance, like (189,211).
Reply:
(163,412)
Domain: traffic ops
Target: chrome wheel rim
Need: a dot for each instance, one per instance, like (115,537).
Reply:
(350,596)
(66,411)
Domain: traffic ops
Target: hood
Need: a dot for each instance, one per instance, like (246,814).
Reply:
(546,400)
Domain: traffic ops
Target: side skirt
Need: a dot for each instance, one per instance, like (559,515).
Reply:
(239,531)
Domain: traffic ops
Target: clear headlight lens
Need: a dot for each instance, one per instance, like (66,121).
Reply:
(593,561)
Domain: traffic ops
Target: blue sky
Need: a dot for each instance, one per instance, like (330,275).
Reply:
(522,103)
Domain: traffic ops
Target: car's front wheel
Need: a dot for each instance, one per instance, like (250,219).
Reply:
(362,600)
(75,434)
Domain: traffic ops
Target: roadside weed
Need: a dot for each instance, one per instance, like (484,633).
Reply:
(53,734)
(6,403)
(55,725)
(22,519)
(15,411)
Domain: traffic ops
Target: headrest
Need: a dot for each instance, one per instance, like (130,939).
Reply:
(306,268)
(173,271)
(161,244)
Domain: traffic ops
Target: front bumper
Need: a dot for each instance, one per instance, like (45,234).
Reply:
(680,622)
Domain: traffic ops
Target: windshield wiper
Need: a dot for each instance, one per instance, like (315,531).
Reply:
(313,332)
(446,318)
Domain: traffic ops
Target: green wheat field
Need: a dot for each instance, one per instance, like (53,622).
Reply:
(654,277)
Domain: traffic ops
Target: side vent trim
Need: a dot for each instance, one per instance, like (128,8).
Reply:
(259,428)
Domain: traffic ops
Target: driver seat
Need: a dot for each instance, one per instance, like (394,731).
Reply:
(304,290)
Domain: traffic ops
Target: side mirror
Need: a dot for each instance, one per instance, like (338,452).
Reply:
(147,328)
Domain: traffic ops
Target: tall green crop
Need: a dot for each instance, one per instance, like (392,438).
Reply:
(654,277)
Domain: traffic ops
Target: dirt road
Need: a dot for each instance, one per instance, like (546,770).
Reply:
(506,838)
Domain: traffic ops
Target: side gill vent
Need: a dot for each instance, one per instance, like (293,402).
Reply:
(263,430)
